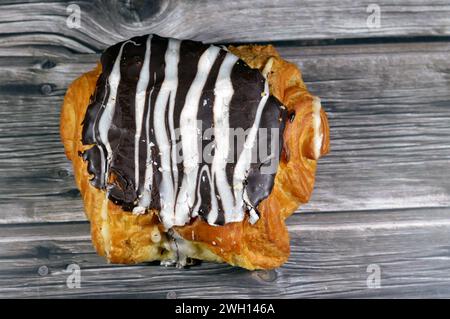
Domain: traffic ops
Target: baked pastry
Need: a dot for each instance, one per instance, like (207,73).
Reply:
(150,132)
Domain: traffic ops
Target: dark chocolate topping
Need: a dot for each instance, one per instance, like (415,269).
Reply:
(159,106)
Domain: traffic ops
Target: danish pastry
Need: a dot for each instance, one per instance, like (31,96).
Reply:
(184,151)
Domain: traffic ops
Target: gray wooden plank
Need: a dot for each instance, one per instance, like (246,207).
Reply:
(106,22)
(330,257)
(388,108)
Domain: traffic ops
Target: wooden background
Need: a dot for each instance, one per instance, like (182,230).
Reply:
(382,196)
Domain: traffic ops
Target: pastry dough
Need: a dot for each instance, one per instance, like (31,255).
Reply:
(139,235)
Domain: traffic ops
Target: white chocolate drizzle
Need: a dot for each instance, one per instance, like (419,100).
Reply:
(317,123)
(223,93)
(167,95)
(141,90)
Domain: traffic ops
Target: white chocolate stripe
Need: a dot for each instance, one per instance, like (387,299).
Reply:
(166,94)
(190,134)
(108,114)
(214,211)
(141,90)
(172,96)
(244,161)
(221,110)
(317,123)
(145,199)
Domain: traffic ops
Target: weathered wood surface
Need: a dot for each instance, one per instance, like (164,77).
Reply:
(106,22)
(382,196)
(330,257)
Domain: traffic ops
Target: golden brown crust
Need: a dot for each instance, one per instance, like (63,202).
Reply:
(127,238)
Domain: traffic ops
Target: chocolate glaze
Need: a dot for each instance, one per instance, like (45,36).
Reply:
(115,170)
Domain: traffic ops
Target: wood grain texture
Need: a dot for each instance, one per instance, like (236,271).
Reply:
(382,196)
(44,23)
(329,258)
